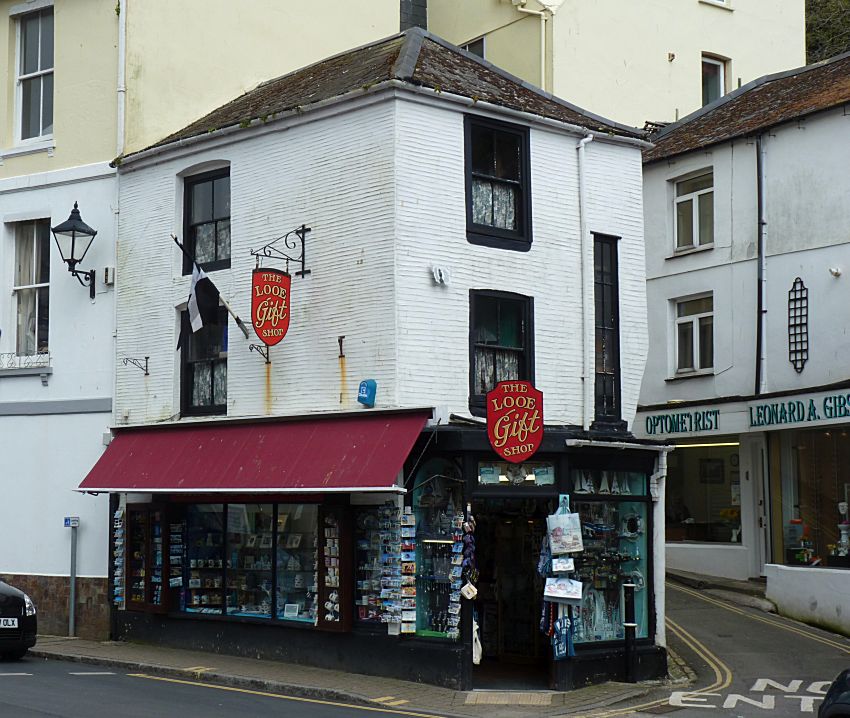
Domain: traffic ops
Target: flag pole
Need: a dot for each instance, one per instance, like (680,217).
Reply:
(226,304)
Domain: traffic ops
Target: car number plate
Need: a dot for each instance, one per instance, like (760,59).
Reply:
(8,622)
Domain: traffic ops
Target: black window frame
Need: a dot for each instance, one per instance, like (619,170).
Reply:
(520,239)
(478,402)
(604,418)
(189,183)
(186,407)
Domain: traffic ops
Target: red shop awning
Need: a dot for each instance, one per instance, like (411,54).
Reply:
(339,454)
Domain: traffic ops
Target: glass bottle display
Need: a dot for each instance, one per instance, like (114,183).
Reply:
(249,560)
(297,557)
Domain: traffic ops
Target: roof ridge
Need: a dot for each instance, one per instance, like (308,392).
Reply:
(408,56)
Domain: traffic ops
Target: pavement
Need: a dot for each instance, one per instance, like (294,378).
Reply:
(374,691)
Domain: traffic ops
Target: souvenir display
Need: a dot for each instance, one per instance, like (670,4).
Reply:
(249,560)
(203,569)
(401,604)
(156,550)
(379,551)
(137,551)
(118,557)
(297,562)
(335,600)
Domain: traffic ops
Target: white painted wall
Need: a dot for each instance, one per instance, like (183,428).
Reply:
(820,596)
(44,457)
(383,189)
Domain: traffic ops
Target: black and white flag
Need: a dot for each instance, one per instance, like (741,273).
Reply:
(203,300)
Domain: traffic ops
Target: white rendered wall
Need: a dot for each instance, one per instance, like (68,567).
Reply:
(48,439)
(820,596)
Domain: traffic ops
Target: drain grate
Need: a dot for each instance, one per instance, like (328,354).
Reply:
(508,698)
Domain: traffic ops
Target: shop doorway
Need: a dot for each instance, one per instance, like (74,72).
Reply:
(508,536)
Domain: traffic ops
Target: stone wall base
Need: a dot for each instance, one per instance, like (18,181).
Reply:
(51,597)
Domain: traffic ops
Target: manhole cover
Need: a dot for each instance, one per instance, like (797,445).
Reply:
(508,698)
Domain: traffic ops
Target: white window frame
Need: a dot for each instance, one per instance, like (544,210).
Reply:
(45,139)
(693,320)
(721,63)
(17,227)
(694,197)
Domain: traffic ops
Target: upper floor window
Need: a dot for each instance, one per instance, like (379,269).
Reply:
(203,359)
(713,79)
(498,188)
(476,47)
(694,204)
(501,342)
(207,220)
(695,334)
(35,74)
(606,296)
(31,287)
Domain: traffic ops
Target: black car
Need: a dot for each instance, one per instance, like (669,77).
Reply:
(18,622)
(836,703)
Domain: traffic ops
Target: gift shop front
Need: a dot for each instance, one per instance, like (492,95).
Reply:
(327,540)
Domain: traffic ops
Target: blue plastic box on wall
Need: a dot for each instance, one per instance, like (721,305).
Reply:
(366,392)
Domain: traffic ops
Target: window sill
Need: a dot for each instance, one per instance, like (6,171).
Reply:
(718,4)
(691,375)
(43,371)
(691,250)
(33,148)
(483,239)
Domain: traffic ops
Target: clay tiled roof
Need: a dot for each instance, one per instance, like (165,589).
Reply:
(414,57)
(757,106)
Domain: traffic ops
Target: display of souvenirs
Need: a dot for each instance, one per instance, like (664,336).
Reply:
(203,567)
(156,577)
(137,551)
(330,607)
(118,556)
(297,562)
(249,560)
(401,590)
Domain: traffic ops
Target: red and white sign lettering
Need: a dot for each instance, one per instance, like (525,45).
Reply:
(515,420)
(270,304)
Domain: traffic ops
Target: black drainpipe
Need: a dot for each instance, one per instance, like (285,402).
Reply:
(760,286)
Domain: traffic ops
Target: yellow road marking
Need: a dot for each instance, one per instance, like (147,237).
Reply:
(265,694)
(770,622)
(722,675)
(399,702)
(383,698)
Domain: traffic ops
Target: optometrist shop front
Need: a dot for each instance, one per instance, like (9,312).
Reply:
(347,541)
(759,488)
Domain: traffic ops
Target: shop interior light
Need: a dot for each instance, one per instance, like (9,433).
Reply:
(705,446)
(437,541)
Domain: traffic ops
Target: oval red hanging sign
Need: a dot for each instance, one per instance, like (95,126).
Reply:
(270,304)
(515,420)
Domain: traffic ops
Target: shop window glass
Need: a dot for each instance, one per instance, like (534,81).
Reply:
(503,473)
(204,574)
(815,494)
(297,581)
(437,504)
(703,496)
(249,560)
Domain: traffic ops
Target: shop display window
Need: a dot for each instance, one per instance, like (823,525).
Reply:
(815,496)
(145,557)
(297,557)
(204,565)
(502,473)
(249,560)
(335,578)
(703,494)
(615,531)
(437,504)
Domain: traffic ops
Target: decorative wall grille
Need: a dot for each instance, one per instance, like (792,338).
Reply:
(798,324)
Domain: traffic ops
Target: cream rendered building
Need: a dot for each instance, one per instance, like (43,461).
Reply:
(83,82)
(632,61)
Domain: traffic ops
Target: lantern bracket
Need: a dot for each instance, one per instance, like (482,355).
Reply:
(137,363)
(262,350)
(285,251)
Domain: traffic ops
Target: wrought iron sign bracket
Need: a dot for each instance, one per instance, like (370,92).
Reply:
(283,252)
(137,363)
(262,350)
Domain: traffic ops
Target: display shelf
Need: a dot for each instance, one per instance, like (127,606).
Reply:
(296,593)
(334,570)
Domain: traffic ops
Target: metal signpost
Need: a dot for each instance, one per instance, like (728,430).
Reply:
(73,523)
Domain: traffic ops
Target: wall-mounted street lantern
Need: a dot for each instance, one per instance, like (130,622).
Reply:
(74,237)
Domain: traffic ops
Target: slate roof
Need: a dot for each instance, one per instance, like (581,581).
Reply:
(415,57)
(757,106)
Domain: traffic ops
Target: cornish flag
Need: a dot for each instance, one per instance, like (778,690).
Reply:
(203,300)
